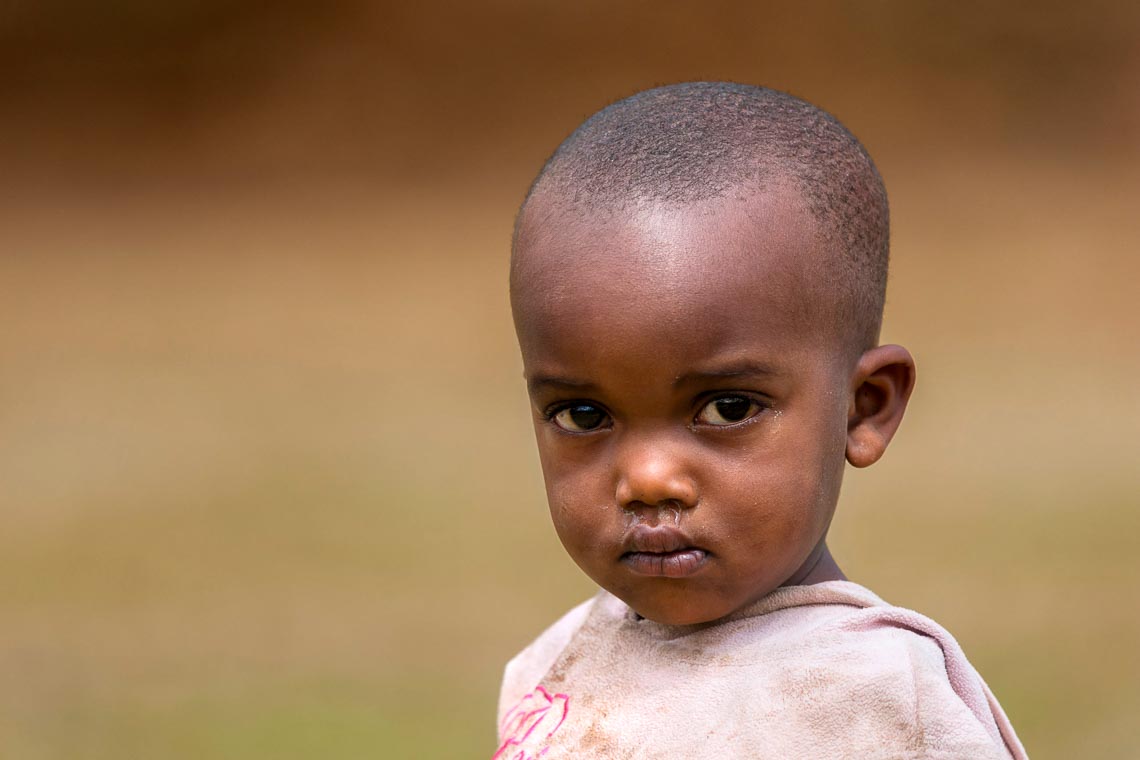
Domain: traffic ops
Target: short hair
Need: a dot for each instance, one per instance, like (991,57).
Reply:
(702,140)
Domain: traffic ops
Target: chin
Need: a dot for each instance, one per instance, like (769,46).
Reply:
(681,619)
(677,614)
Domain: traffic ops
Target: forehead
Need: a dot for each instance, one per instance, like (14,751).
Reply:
(644,277)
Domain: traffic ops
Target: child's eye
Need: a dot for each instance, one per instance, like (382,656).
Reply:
(728,410)
(579,418)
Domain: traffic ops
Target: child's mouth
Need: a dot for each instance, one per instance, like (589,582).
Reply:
(675,564)
(661,551)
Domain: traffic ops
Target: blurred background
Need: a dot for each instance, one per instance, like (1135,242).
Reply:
(267,483)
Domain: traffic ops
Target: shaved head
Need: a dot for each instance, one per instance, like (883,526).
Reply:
(697,282)
(695,143)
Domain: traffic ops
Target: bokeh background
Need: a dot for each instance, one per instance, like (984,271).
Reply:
(267,484)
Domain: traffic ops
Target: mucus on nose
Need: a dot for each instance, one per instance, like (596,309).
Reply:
(666,511)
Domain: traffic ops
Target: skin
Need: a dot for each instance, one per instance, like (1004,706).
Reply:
(693,402)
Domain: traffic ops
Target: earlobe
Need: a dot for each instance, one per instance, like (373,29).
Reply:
(880,389)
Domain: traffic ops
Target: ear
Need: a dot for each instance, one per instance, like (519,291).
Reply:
(881,386)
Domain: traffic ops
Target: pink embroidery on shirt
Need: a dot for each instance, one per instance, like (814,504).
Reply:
(528,725)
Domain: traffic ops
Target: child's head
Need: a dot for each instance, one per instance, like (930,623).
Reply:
(697,283)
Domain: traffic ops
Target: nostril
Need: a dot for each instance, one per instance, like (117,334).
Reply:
(665,511)
(671,511)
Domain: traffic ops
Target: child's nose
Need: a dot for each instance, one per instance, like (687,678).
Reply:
(652,473)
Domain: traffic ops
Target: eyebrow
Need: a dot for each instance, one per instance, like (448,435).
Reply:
(744,368)
(539,382)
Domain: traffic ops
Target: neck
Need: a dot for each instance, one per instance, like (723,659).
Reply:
(819,567)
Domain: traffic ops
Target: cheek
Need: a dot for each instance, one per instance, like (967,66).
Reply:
(783,491)
(573,484)
(564,499)
(580,516)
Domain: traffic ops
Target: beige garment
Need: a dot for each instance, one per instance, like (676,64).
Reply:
(822,671)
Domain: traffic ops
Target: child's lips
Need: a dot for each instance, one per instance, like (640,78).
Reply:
(661,551)
(678,564)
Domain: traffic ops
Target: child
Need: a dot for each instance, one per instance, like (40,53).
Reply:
(697,282)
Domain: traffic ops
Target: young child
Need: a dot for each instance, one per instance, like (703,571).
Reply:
(697,281)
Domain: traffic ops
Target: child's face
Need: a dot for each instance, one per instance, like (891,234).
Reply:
(690,399)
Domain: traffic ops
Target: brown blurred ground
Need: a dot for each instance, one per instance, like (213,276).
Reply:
(267,487)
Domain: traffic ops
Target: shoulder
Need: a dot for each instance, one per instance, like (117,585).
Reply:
(881,675)
(526,669)
(902,668)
